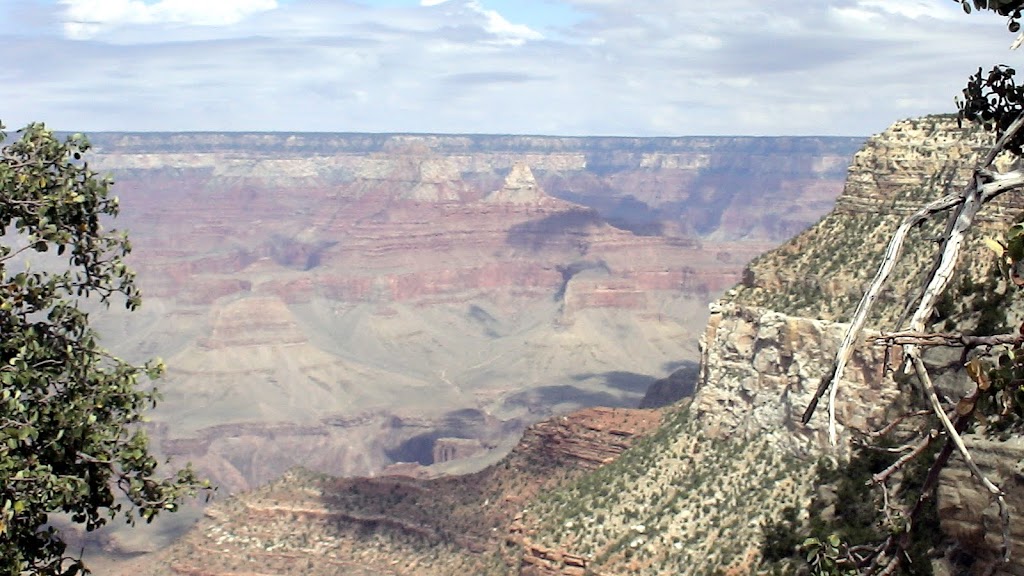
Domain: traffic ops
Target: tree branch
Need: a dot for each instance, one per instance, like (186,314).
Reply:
(902,460)
(896,422)
(949,340)
(985,186)
(845,352)
(954,436)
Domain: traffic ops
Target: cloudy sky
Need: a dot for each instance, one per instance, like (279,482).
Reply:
(574,67)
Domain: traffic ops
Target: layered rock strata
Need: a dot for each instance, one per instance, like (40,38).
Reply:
(821,274)
(355,303)
(305,281)
(768,343)
(693,497)
(311,524)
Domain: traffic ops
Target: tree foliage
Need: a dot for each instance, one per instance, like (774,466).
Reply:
(71,440)
(1009,8)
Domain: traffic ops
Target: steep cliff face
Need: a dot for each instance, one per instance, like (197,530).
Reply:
(822,272)
(760,369)
(764,352)
(897,171)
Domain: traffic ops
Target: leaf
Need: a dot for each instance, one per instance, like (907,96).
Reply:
(1015,231)
(995,246)
(976,372)
(965,406)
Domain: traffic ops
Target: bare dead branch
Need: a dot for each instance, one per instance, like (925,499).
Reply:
(954,437)
(896,422)
(985,186)
(946,339)
(892,254)
(917,450)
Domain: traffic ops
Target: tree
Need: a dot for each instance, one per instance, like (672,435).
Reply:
(994,363)
(71,434)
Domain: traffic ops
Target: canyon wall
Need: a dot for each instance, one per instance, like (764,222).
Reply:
(692,496)
(822,273)
(343,301)
(696,499)
(362,304)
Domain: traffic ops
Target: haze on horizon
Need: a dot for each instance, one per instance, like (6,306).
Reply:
(563,67)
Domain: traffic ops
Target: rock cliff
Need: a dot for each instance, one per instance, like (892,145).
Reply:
(760,369)
(767,345)
(355,303)
(693,495)
(316,294)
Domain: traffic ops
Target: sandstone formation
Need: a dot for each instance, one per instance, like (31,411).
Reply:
(765,350)
(912,163)
(693,495)
(821,273)
(319,285)
(760,369)
(971,518)
(520,187)
(356,303)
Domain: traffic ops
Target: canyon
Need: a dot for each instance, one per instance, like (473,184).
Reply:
(359,304)
(686,488)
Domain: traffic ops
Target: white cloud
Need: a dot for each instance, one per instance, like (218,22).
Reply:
(640,67)
(499,26)
(492,22)
(914,10)
(87,18)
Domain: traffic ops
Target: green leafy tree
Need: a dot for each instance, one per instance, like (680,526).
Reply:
(71,442)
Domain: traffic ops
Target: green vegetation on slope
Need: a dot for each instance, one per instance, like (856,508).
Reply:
(679,501)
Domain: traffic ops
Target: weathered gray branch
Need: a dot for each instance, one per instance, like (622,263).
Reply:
(948,340)
(892,254)
(954,436)
(985,186)
(914,452)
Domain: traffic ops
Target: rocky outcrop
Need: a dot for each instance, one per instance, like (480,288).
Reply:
(448,449)
(760,369)
(539,560)
(586,440)
(310,524)
(821,272)
(759,366)
(767,345)
(520,187)
(970,516)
